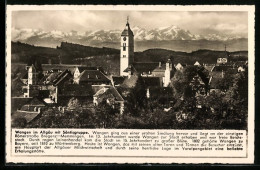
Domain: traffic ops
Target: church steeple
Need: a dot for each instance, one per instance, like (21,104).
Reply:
(127,31)
(127,48)
(127,20)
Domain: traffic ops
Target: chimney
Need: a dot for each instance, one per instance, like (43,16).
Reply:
(160,64)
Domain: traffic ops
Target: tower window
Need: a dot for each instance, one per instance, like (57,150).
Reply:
(124,56)
(124,46)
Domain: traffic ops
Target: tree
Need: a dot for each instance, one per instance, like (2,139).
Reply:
(136,98)
(74,103)
(182,79)
(237,99)
(104,116)
(53,118)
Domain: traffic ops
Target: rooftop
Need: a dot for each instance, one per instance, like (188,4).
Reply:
(145,67)
(55,77)
(28,116)
(107,91)
(82,68)
(127,31)
(36,102)
(93,76)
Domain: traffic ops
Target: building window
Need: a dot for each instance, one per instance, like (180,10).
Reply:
(124,56)
(124,46)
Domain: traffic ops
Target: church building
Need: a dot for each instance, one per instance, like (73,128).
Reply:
(128,67)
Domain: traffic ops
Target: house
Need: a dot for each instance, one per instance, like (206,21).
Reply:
(197,63)
(241,69)
(30,110)
(46,88)
(179,66)
(108,94)
(82,92)
(222,60)
(80,69)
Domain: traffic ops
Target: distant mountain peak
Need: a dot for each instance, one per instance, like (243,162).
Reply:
(167,33)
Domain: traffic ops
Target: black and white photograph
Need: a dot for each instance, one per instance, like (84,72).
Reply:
(137,69)
(131,81)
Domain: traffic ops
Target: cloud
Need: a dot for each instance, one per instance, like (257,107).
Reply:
(234,23)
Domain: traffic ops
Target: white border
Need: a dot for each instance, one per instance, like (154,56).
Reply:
(251,102)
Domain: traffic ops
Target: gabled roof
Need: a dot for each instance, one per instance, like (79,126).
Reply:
(18,102)
(196,63)
(36,102)
(50,77)
(130,68)
(178,66)
(108,91)
(145,67)
(62,76)
(28,116)
(93,76)
(54,78)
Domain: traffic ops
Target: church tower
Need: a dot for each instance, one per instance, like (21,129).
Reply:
(32,75)
(126,49)
(167,73)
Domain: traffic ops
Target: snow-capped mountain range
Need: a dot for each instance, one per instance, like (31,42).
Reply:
(140,34)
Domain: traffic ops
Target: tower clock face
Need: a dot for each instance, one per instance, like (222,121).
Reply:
(124,38)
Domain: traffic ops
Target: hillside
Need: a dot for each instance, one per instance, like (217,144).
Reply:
(66,53)
(22,52)
(203,56)
(108,58)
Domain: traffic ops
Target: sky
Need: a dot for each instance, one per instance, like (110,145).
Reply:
(233,23)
